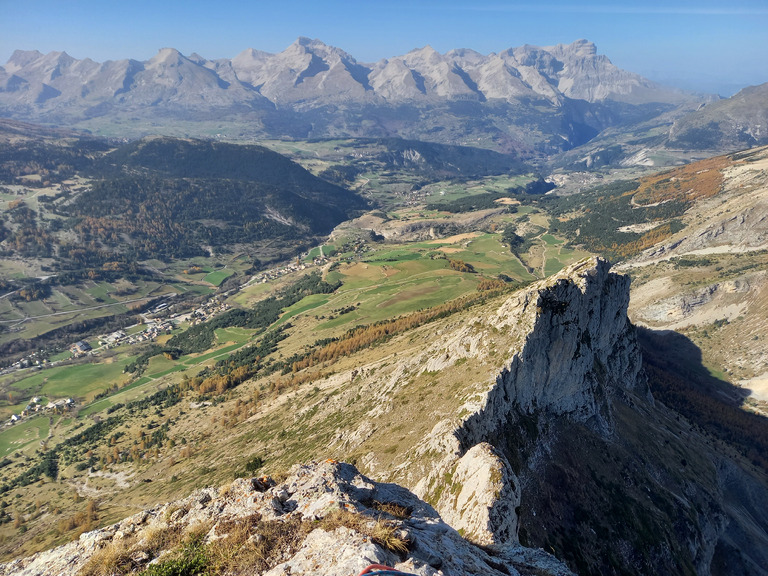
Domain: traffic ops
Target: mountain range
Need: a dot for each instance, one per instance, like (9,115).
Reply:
(528,99)
(310,73)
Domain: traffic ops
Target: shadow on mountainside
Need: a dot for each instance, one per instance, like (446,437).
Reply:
(678,378)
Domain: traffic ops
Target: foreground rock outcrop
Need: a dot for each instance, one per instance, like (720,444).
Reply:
(567,450)
(577,350)
(323,515)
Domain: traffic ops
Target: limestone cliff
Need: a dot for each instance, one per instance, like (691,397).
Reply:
(567,450)
(578,350)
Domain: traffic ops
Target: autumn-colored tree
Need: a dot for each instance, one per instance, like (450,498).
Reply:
(461,266)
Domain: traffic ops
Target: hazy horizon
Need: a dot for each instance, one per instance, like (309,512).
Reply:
(706,45)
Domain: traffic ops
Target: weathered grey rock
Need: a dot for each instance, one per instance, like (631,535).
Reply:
(575,348)
(312,492)
(481,498)
(351,553)
(579,346)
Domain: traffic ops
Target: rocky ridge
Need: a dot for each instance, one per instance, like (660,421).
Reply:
(579,350)
(338,510)
(722,284)
(525,424)
(732,221)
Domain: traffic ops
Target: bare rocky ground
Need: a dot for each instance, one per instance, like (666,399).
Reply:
(323,514)
(710,282)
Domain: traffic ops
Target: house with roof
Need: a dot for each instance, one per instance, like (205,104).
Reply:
(79,348)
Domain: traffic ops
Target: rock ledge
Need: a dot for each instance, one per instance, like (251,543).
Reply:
(310,496)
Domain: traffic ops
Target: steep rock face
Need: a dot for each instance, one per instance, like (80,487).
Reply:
(579,349)
(482,497)
(576,455)
(338,511)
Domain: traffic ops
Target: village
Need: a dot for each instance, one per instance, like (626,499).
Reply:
(359,247)
(157,322)
(274,273)
(36,406)
(161,320)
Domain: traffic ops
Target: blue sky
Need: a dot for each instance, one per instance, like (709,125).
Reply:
(707,45)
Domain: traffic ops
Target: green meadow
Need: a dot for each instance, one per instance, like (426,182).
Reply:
(389,280)
(218,276)
(23,434)
(78,381)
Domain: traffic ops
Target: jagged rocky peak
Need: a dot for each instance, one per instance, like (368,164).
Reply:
(45,67)
(310,57)
(580,48)
(579,320)
(424,55)
(22,58)
(248,63)
(570,324)
(466,56)
(324,514)
(321,49)
(251,54)
(167,57)
(574,349)
(534,57)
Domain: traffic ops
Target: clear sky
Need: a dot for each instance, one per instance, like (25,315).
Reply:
(707,45)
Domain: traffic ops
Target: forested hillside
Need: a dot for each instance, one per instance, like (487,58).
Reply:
(167,198)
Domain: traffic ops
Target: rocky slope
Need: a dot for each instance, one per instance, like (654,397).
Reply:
(706,129)
(524,421)
(323,515)
(709,279)
(737,122)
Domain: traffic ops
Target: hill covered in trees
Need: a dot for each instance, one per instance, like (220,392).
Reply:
(164,198)
(173,197)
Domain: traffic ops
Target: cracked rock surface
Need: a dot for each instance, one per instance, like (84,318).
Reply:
(311,494)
